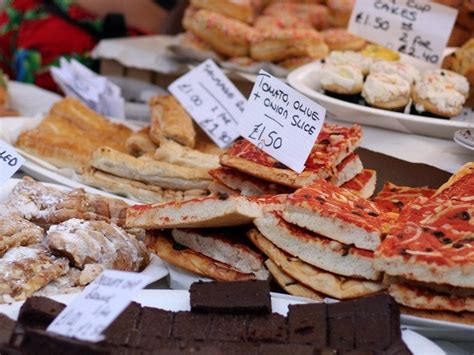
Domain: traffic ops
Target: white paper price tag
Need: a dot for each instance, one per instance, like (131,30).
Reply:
(418,28)
(98,305)
(211,100)
(281,121)
(10,161)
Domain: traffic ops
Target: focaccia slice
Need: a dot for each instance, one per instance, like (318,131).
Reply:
(170,120)
(150,171)
(314,249)
(227,246)
(16,231)
(347,169)
(187,259)
(206,212)
(333,144)
(24,270)
(363,184)
(290,285)
(393,198)
(316,279)
(336,213)
(455,317)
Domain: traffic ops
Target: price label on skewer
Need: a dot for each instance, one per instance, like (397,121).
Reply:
(281,121)
(10,161)
(211,99)
(417,28)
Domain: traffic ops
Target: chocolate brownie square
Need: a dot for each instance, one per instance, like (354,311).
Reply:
(271,327)
(7,328)
(41,342)
(341,325)
(118,333)
(188,325)
(154,326)
(307,324)
(39,312)
(238,348)
(397,348)
(377,322)
(231,297)
(228,327)
(286,349)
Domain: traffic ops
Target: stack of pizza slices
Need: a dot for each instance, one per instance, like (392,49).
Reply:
(428,254)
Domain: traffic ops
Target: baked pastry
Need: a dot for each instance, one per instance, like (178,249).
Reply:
(434,94)
(393,198)
(349,57)
(226,246)
(321,281)
(333,144)
(137,190)
(242,10)
(16,231)
(186,258)
(149,170)
(341,79)
(363,184)
(4,95)
(405,70)
(24,270)
(347,169)
(387,91)
(174,153)
(286,43)
(314,14)
(267,23)
(377,52)
(97,242)
(140,142)
(225,35)
(335,213)
(293,63)
(170,120)
(339,39)
(458,81)
(340,12)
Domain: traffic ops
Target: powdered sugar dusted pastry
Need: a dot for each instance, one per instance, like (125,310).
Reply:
(406,71)
(341,79)
(459,82)
(16,231)
(434,94)
(339,39)
(350,57)
(387,91)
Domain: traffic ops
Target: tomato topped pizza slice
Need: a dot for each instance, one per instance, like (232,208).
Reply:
(363,184)
(393,198)
(333,144)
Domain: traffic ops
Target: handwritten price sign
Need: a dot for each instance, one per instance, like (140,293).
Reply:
(281,121)
(211,99)
(98,305)
(417,28)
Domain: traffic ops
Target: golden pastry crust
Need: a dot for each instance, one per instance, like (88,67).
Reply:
(339,39)
(187,259)
(275,22)
(16,231)
(140,142)
(170,120)
(314,14)
(242,10)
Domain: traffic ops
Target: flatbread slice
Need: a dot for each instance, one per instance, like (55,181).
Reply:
(290,285)
(336,213)
(422,298)
(363,184)
(140,142)
(333,144)
(186,258)
(317,279)
(393,198)
(347,169)
(150,171)
(316,250)
(461,317)
(206,212)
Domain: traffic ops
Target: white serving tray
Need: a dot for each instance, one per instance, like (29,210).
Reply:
(173,300)
(306,80)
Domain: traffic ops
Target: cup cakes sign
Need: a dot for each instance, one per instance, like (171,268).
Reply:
(417,28)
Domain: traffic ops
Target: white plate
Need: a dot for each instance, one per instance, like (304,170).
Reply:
(29,99)
(173,300)
(306,80)
(156,270)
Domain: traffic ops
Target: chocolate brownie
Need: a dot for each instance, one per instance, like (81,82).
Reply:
(231,297)
(397,348)
(307,324)
(188,325)
(155,324)
(286,349)
(271,328)
(41,342)
(39,312)
(119,332)
(341,325)
(7,328)
(378,322)
(228,327)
